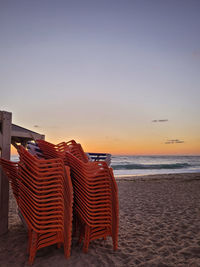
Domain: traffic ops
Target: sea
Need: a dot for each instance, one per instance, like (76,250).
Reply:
(126,165)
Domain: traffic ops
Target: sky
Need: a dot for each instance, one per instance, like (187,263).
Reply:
(118,76)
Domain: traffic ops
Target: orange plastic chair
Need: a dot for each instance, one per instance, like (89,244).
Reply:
(50,150)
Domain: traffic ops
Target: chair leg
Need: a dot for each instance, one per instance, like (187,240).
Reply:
(33,247)
(67,250)
(87,239)
(115,242)
(29,240)
(59,245)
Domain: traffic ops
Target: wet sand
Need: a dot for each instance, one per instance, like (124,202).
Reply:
(159,226)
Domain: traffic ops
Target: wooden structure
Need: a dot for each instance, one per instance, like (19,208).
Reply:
(10,134)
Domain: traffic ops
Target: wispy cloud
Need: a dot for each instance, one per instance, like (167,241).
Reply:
(163,120)
(174,141)
(48,127)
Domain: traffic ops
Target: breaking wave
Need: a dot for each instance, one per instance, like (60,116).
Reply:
(150,166)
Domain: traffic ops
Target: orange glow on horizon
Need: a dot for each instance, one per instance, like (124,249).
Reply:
(116,147)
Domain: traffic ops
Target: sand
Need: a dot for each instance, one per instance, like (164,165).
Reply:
(159,226)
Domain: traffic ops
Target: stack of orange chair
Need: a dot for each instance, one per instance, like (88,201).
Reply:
(95,192)
(45,198)
(11,170)
(96,200)
(50,150)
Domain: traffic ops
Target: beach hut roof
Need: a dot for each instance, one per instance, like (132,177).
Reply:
(22,135)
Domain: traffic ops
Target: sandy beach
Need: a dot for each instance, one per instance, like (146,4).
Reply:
(159,226)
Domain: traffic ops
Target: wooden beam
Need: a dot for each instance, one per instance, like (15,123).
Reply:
(6,122)
(18,131)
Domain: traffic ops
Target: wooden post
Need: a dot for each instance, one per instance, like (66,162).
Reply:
(5,143)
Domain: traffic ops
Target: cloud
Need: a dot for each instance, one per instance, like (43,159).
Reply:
(163,120)
(48,127)
(174,141)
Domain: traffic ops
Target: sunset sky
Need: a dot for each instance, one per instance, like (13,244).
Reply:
(118,76)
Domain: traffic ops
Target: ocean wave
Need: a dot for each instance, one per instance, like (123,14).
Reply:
(150,166)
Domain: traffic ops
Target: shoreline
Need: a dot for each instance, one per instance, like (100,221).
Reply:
(149,177)
(159,226)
